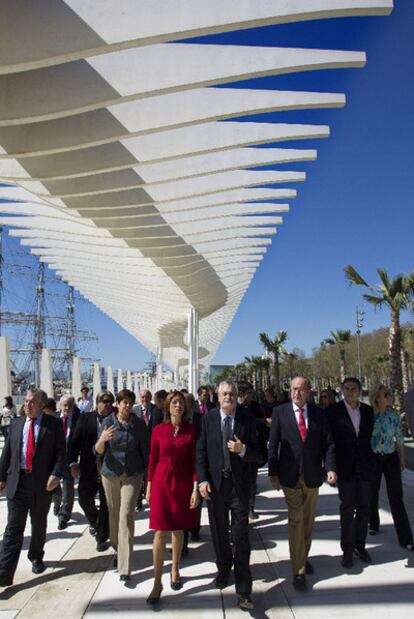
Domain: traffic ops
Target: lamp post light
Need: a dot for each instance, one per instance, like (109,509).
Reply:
(359,323)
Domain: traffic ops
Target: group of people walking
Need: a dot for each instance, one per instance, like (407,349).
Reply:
(180,451)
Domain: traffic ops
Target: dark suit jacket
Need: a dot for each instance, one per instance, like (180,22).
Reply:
(289,455)
(353,453)
(48,457)
(209,460)
(75,416)
(82,444)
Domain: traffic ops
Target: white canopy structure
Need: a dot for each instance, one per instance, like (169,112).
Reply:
(120,172)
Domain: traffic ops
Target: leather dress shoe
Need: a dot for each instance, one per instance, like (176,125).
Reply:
(244,602)
(195,537)
(125,577)
(92,531)
(38,567)
(62,525)
(309,568)
(115,561)
(347,561)
(299,582)
(221,580)
(102,546)
(363,555)
(6,581)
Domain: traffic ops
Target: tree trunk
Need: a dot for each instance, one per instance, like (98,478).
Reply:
(405,362)
(276,370)
(394,351)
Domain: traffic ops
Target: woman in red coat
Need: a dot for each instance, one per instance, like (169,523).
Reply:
(172,491)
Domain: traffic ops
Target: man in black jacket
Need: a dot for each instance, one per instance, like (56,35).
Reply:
(352,423)
(84,464)
(225,448)
(30,468)
(299,445)
(64,496)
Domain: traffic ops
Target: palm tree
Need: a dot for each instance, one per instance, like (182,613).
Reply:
(397,294)
(340,339)
(275,347)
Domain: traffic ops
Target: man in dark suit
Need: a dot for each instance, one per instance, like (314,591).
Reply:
(85,465)
(152,415)
(30,468)
(352,423)
(226,447)
(299,445)
(65,494)
(203,402)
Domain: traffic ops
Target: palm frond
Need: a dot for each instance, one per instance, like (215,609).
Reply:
(353,277)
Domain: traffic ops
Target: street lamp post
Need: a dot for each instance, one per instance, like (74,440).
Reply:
(359,323)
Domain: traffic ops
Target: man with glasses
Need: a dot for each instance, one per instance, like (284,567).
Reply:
(85,465)
(352,423)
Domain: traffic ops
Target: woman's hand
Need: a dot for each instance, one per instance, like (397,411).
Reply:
(107,434)
(148,493)
(195,499)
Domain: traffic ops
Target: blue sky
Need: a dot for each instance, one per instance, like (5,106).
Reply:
(355,206)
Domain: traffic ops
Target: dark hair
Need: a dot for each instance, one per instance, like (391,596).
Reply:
(168,400)
(125,394)
(51,404)
(8,400)
(202,388)
(102,394)
(161,394)
(183,390)
(352,379)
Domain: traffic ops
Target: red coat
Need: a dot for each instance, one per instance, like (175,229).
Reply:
(171,471)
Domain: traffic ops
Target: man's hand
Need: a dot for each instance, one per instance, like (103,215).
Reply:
(331,477)
(235,446)
(52,483)
(2,485)
(275,481)
(268,421)
(75,470)
(205,490)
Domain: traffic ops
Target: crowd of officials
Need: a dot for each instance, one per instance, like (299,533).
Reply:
(173,451)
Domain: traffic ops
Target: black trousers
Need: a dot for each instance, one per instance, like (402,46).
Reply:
(228,509)
(389,465)
(355,504)
(25,501)
(98,518)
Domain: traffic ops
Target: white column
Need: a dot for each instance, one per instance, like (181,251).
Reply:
(119,382)
(136,385)
(129,380)
(46,382)
(76,378)
(158,377)
(96,380)
(5,375)
(193,374)
(110,379)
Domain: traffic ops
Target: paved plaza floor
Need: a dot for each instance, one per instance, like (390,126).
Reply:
(79,582)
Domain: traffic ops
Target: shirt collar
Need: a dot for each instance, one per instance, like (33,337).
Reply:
(350,409)
(223,415)
(304,408)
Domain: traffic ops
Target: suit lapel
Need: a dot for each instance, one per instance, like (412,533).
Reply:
(347,418)
(292,423)
(42,432)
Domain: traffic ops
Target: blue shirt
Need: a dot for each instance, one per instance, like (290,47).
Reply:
(25,440)
(387,432)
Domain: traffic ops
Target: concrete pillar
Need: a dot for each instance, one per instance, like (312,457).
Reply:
(96,380)
(193,362)
(129,380)
(76,378)
(110,379)
(5,374)
(120,381)
(158,378)
(46,382)
(136,385)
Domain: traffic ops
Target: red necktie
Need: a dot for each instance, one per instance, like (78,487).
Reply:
(145,416)
(65,424)
(30,446)
(202,409)
(302,425)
